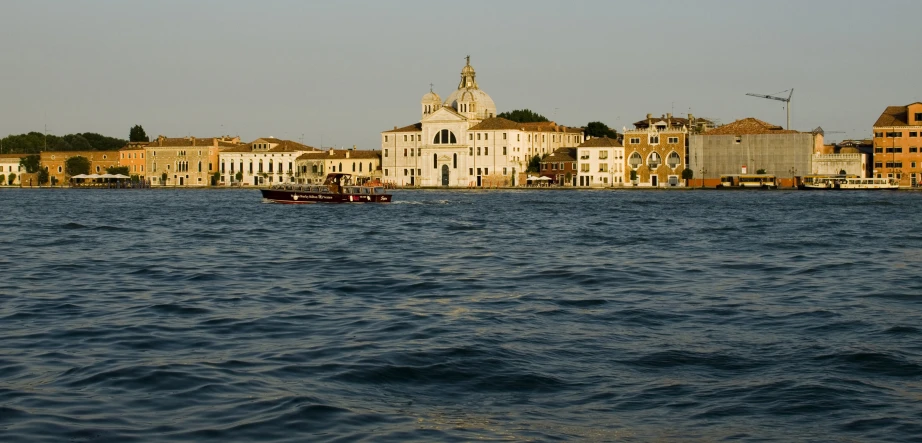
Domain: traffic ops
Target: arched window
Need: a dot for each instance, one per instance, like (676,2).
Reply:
(369,166)
(654,160)
(270,166)
(634,160)
(260,166)
(673,160)
(340,167)
(444,137)
(353,166)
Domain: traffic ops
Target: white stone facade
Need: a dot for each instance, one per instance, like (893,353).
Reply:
(461,143)
(264,161)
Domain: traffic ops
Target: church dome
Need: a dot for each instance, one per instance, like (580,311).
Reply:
(477,103)
(431,97)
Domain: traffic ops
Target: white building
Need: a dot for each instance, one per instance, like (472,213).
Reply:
(600,163)
(263,161)
(461,143)
(362,165)
(9,165)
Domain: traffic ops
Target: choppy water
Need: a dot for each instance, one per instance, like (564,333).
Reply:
(190,315)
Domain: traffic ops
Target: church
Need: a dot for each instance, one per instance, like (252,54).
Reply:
(460,142)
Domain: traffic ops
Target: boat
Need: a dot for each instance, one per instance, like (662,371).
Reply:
(752,181)
(336,188)
(846,182)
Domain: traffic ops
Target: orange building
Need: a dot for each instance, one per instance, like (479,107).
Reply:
(897,142)
(132,156)
(56,162)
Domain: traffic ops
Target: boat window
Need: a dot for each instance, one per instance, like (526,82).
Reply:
(379,190)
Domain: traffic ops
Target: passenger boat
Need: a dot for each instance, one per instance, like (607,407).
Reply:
(758,181)
(336,188)
(844,182)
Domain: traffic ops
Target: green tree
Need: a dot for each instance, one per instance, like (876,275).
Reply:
(523,116)
(238,176)
(137,134)
(760,171)
(2,179)
(214,178)
(76,166)
(12,178)
(31,163)
(43,176)
(633,175)
(534,164)
(118,170)
(163,178)
(599,129)
(687,174)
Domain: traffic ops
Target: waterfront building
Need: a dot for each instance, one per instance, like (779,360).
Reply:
(56,162)
(695,125)
(188,161)
(833,159)
(459,142)
(264,161)
(560,167)
(9,166)
(362,165)
(132,156)
(655,151)
(748,146)
(897,142)
(601,163)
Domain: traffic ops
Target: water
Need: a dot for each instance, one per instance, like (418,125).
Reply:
(206,315)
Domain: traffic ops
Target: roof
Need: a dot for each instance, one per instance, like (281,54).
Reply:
(601,142)
(561,155)
(12,156)
(549,127)
(893,116)
(340,154)
(415,127)
(749,126)
(190,141)
(494,123)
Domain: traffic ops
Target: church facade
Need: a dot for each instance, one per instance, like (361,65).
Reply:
(459,142)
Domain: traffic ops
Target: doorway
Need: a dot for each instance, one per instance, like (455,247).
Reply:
(444,175)
(654,181)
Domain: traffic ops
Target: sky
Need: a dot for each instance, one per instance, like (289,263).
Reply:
(339,73)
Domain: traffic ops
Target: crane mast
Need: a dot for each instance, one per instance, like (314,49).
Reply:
(787,101)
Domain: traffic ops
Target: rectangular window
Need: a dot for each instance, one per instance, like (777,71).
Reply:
(419,151)
(878,165)
(654,139)
(385,152)
(673,140)
(486,136)
(518,137)
(478,136)
(635,141)
(471,172)
(918,116)
(386,172)
(504,171)
(913,149)
(470,136)
(404,152)
(603,155)
(603,167)
(486,150)
(913,165)
(894,134)
(504,137)
(879,150)
(878,134)
(404,137)
(913,134)
(504,150)
(385,139)
(584,167)
(479,171)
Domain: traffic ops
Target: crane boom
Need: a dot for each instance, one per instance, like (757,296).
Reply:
(781,99)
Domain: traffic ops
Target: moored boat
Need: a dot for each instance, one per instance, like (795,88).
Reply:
(845,182)
(336,188)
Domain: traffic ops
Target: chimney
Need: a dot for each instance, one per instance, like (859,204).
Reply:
(669,119)
(331,150)
(160,140)
(193,140)
(649,120)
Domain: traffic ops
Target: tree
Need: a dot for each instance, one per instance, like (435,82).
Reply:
(633,175)
(687,174)
(31,163)
(534,164)
(43,176)
(215,177)
(760,171)
(12,178)
(54,181)
(2,179)
(76,166)
(523,116)
(599,129)
(238,176)
(118,170)
(163,179)
(137,134)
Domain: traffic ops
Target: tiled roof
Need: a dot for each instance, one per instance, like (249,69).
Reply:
(601,142)
(893,116)
(415,127)
(549,127)
(189,141)
(561,155)
(749,126)
(495,123)
(340,154)
(13,156)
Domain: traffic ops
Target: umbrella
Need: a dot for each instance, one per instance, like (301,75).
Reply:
(543,178)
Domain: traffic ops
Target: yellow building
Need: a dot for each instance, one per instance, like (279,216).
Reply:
(186,161)
(132,156)
(897,143)
(56,162)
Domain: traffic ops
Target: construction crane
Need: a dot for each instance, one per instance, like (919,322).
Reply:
(787,101)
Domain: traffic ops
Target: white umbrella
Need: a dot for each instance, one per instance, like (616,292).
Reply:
(543,178)
(80,176)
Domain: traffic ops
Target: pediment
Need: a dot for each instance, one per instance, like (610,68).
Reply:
(444,158)
(444,114)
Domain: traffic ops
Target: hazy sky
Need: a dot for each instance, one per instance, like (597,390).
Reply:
(344,71)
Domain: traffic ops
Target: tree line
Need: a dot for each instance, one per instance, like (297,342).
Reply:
(35,142)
